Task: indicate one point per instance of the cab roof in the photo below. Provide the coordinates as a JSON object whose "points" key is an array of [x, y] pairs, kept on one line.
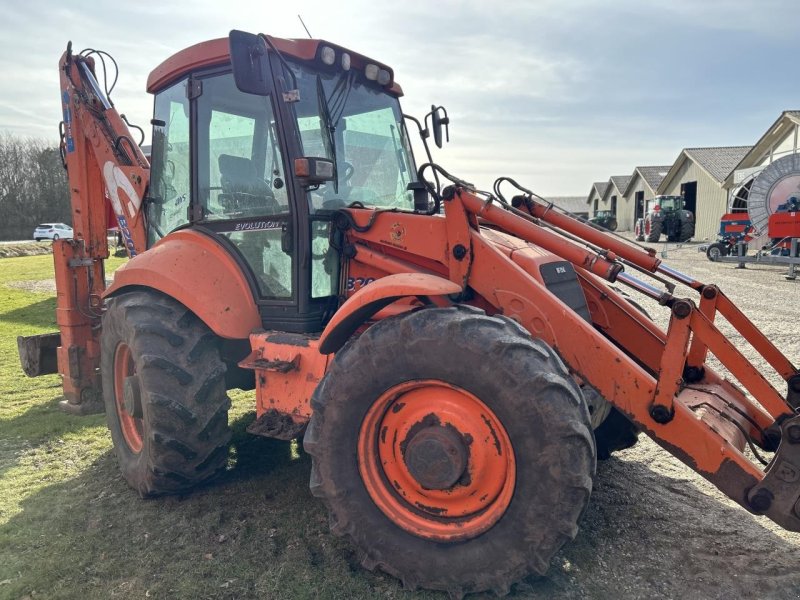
{"points": [[217, 52]]}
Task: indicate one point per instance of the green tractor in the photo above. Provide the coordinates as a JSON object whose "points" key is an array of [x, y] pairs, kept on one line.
{"points": [[665, 216], [606, 219]]}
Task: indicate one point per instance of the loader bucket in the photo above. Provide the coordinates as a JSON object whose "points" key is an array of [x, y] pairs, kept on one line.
{"points": [[37, 353]]}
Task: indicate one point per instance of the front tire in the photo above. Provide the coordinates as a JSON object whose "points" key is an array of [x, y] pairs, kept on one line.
{"points": [[716, 251], [164, 393], [497, 401]]}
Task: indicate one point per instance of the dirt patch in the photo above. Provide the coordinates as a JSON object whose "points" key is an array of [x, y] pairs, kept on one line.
{"points": [[37, 286], [25, 249]]}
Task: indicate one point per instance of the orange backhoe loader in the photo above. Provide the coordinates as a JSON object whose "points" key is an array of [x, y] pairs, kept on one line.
{"points": [[454, 360]]}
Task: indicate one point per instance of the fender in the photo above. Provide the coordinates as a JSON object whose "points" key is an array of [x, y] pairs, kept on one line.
{"points": [[377, 295], [200, 274]]}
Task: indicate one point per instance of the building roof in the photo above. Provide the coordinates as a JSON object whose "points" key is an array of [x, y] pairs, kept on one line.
{"points": [[718, 161], [776, 132], [653, 176], [573, 204], [599, 187], [621, 182]]}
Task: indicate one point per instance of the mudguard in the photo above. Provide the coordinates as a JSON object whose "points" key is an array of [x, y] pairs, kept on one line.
{"points": [[199, 273], [377, 295]]}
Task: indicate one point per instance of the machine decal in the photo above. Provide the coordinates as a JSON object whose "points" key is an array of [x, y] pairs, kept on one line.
{"points": [[70, 141], [115, 180], [398, 232], [356, 283], [258, 226]]}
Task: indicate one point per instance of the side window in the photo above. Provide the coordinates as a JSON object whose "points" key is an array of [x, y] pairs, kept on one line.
{"points": [[240, 166], [170, 164]]}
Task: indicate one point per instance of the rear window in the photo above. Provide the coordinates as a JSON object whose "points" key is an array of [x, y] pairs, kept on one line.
{"points": [[44, 226]]}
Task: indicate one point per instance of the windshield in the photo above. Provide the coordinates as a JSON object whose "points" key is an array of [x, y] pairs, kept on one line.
{"points": [[344, 117]]}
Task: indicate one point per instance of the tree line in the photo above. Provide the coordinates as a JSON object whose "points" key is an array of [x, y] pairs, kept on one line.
{"points": [[33, 186]]}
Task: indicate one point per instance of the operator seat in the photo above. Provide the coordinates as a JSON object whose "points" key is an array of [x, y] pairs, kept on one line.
{"points": [[243, 191]]}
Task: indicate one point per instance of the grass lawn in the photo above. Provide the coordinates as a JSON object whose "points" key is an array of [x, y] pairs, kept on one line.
{"points": [[71, 528]]}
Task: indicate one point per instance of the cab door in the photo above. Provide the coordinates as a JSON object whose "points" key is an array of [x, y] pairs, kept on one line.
{"points": [[241, 186]]}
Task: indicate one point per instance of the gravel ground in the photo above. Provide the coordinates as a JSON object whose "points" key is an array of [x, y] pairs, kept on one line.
{"points": [[656, 529]]}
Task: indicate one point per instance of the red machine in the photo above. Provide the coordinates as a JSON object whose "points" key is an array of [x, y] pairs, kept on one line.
{"points": [[455, 361]]}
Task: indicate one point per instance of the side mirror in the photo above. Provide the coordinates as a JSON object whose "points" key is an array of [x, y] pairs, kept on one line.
{"points": [[313, 171], [438, 119], [249, 61]]}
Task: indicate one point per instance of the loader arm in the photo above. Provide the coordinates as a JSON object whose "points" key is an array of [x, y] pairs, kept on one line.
{"points": [[108, 175], [659, 380]]}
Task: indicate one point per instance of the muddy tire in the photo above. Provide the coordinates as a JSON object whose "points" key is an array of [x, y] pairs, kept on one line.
{"points": [[164, 393], [538, 409], [652, 230]]}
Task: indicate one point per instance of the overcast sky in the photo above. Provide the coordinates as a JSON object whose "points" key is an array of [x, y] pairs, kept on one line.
{"points": [[555, 93]]}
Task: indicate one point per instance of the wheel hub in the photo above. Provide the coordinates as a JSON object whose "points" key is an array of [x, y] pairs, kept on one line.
{"points": [[436, 457], [131, 393], [436, 460]]}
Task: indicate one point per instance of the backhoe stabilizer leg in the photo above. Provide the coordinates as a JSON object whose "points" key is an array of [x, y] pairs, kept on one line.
{"points": [[777, 495]]}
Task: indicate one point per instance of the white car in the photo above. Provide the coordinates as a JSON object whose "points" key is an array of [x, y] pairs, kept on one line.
{"points": [[52, 231]]}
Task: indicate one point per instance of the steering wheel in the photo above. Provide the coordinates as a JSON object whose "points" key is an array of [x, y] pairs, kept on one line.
{"points": [[349, 170]]}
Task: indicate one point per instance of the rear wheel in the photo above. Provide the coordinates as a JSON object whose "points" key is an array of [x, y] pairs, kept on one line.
{"points": [[686, 232], [55, 237], [164, 393], [638, 230], [652, 230], [612, 225], [474, 451]]}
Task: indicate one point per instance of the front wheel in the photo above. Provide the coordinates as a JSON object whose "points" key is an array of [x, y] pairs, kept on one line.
{"points": [[164, 393], [55, 237], [474, 454], [716, 251]]}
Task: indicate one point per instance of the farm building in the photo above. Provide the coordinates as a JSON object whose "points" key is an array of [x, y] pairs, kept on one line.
{"points": [[595, 196], [781, 139], [613, 200], [642, 186], [573, 204], [698, 174]]}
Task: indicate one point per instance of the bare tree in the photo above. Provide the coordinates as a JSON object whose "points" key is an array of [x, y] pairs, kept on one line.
{"points": [[33, 186]]}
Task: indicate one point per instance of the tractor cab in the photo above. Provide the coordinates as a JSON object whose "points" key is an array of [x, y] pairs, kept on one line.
{"points": [[665, 203], [257, 142]]}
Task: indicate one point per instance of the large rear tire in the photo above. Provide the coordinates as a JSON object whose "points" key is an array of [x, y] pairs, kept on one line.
{"points": [[652, 230], [687, 231], [453, 384], [164, 393]]}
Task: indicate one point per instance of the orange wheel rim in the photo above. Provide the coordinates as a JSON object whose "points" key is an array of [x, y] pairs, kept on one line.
{"points": [[131, 426], [436, 460]]}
